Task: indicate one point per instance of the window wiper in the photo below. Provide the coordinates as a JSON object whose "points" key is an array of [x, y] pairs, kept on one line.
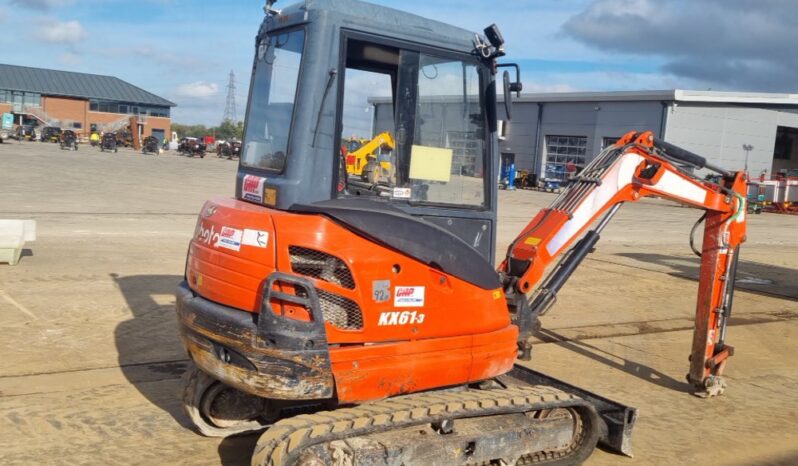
{"points": [[333, 72]]}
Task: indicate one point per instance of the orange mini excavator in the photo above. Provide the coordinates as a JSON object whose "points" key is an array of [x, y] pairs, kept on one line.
{"points": [[363, 323]]}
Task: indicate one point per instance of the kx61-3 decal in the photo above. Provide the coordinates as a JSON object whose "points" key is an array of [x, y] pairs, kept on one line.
{"points": [[401, 318]]}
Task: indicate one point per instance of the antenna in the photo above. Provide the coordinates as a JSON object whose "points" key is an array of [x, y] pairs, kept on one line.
{"points": [[230, 106]]}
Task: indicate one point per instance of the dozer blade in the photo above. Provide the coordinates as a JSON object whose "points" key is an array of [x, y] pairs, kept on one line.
{"points": [[514, 425], [617, 420]]}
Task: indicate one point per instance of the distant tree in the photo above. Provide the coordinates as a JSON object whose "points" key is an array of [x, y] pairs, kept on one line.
{"points": [[226, 130]]}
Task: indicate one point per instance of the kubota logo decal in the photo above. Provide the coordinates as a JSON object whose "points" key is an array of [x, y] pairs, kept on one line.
{"points": [[207, 236], [401, 318], [408, 296]]}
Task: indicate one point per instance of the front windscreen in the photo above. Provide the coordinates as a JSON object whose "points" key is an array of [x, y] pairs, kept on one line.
{"points": [[271, 101]]}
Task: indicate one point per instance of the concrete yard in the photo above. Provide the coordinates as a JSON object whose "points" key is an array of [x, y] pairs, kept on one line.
{"points": [[92, 365]]}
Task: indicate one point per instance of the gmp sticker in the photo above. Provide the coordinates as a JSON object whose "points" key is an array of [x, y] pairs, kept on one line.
{"points": [[408, 296], [230, 238]]}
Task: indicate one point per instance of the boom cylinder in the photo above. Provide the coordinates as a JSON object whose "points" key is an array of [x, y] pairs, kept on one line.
{"points": [[548, 293]]}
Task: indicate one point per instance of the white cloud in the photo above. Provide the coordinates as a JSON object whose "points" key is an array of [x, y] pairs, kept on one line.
{"points": [[43, 5], [70, 59], [57, 32], [197, 90]]}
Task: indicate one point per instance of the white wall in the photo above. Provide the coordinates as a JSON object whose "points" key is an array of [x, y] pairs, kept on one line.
{"points": [[718, 132]]}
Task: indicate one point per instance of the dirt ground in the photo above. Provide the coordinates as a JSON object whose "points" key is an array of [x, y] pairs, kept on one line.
{"points": [[92, 358]]}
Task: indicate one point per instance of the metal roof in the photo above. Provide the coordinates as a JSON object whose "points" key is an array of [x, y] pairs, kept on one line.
{"points": [[71, 84], [675, 95]]}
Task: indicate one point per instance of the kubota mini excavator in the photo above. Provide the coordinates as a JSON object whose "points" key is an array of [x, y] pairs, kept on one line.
{"points": [[369, 326]]}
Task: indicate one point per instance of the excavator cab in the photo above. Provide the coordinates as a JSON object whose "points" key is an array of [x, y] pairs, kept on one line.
{"points": [[325, 70]]}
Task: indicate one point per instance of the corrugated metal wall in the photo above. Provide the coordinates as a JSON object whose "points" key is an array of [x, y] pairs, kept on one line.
{"points": [[718, 132]]}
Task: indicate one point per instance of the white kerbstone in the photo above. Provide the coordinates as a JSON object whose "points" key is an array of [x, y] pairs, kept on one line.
{"points": [[13, 236]]}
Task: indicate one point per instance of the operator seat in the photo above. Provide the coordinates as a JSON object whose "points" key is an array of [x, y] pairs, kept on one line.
{"points": [[385, 224]]}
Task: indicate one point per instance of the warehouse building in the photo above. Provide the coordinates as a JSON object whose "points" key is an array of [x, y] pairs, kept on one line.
{"points": [[735, 130], [80, 101], [553, 133]]}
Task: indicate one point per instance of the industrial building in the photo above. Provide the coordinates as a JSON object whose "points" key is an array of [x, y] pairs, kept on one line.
{"points": [[80, 101], [735, 130]]}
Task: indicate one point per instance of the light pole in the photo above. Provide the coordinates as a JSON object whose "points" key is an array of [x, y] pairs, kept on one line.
{"points": [[747, 148]]}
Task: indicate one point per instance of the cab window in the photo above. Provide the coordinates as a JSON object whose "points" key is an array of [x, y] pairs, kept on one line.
{"points": [[412, 126]]}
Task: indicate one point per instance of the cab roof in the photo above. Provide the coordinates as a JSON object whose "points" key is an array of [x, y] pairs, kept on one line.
{"points": [[362, 16]]}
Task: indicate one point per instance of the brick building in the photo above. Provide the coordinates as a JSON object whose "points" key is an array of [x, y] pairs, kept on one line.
{"points": [[80, 101]]}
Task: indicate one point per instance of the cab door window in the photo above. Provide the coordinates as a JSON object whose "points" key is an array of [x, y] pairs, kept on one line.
{"points": [[447, 153], [367, 119], [412, 126]]}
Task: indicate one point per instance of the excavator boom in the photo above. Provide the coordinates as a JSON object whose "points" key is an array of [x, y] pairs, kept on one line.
{"points": [[637, 166]]}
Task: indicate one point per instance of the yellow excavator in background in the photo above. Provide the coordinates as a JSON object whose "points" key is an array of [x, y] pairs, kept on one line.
{"points": [[363, 160]]}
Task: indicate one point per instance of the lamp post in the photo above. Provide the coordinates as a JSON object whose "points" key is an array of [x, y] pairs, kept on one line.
{"points": [[747, 148]]}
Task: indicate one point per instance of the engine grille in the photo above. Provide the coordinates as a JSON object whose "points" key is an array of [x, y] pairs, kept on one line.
{"points": [[320, 265], [339, 311]]}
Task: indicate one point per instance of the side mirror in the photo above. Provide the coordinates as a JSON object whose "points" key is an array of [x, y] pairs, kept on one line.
{"points": [[508, 95], [511, 86]]}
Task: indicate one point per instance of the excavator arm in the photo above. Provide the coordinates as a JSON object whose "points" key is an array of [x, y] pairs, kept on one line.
{"points": [[637, 166]]}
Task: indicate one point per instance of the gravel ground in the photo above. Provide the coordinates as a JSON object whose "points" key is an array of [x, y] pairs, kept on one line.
{"points": [[92, 358]]}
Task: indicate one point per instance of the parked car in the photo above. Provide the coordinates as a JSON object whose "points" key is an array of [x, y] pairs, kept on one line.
{"points": [[109, 143], [51, 134], [150, 145], [26, 132], [190, 147], [230, 149], [69, 140]]}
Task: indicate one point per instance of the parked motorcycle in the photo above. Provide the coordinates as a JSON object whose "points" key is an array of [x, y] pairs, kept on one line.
{"points": [[230, 149], [109, 143], [150, 145], [68, 140], [190, 147]]}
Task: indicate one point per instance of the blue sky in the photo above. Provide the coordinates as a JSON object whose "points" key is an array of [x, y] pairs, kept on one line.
{"points": [[183, 50]]}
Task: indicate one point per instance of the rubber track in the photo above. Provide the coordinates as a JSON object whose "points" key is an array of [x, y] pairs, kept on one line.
{"points": [[284, 442]]}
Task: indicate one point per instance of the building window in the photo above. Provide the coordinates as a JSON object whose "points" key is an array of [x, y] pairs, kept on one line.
{"points": [[565, 156], [607, 142], [23, 99], [127, 108], [32, 99]]}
